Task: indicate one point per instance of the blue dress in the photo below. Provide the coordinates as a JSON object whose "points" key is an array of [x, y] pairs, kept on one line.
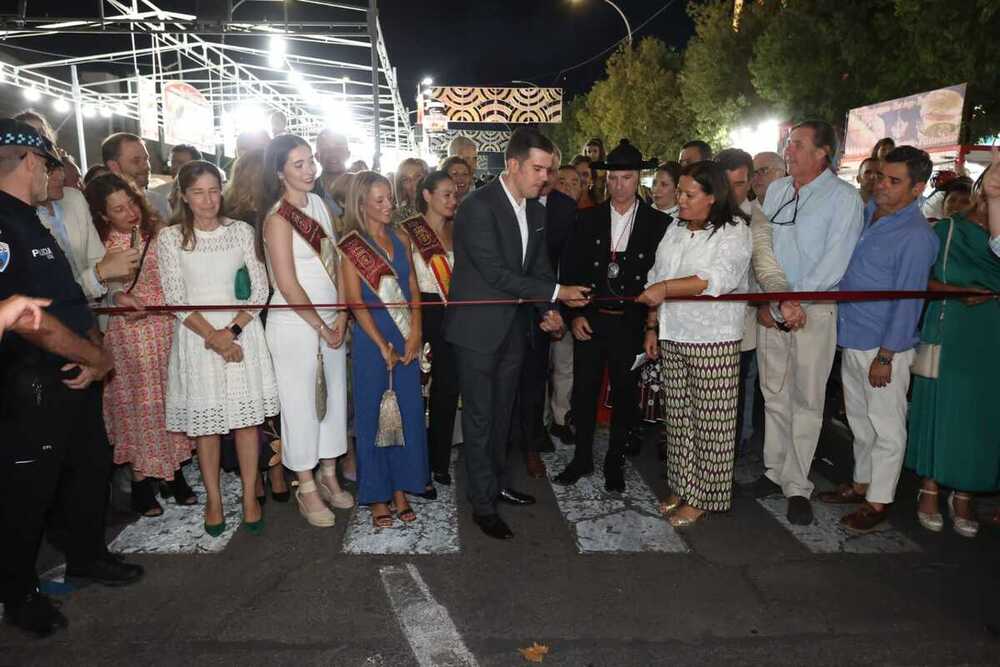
{"points": [[383, 470]]}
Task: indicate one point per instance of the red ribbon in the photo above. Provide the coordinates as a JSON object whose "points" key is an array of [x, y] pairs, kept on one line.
{"points": [[760, 297]]}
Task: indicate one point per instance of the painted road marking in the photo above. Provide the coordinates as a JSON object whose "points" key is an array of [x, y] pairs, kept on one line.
{"points": [[181, 529], [609, 522], [426, 624], [434, 532], [826, 536]]}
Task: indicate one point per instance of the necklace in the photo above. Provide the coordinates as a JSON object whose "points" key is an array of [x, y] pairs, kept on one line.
{"points": [[614, 270]]}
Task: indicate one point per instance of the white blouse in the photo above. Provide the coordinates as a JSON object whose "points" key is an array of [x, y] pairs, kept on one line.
{"points": [[722, 259], [426, 281]]}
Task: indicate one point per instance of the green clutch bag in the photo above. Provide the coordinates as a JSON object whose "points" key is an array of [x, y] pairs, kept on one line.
{"points": [[242, 285]]}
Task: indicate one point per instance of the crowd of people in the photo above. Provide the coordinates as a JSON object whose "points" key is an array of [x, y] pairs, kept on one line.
{"points": [[364, 309]]}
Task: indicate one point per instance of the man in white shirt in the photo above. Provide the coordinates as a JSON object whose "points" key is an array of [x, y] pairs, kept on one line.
{"points": [[816, 219], [125, 154], [67, 216]]}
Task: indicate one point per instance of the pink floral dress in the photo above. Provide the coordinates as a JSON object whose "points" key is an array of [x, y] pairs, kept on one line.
{"points": [[134, 394]]}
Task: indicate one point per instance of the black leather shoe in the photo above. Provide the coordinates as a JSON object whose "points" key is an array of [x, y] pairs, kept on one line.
{"points": [[614, 475], [512, 497], [563, 432], [493, 525], [761, 488], [800, 511], [442, 478], [633, 443], [107, 571], [430, 493], [544, 443], [36, 614], [572, 474]]}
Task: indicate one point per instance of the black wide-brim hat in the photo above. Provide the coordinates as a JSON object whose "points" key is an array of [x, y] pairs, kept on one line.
{"points": [[625, 157]]}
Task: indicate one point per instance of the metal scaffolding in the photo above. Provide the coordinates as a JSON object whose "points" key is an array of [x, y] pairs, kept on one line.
{"points": [[235, 62]]}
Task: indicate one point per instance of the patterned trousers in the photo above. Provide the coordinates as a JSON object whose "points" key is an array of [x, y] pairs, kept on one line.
{"points": [[701, 383]]}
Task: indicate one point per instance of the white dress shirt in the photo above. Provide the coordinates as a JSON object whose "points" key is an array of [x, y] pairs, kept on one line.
{"points": [[71, 224], [521, 213], [621, 226], [722, 259]]}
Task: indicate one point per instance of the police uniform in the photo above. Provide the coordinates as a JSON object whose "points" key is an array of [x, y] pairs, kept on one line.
{"points": [[618, 323], [54, 446]]}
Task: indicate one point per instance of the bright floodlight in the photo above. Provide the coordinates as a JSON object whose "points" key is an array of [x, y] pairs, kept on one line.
{"points": [[337, 115], [60, 105], [88, 111], [248, 117], [756, 139], [105, 112], [32, 94], [277, 51], [427, 81]]}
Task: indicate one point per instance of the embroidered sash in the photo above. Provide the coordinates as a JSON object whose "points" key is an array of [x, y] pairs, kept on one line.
{"points": [[432, 251], [312, 233], [379, 275]]}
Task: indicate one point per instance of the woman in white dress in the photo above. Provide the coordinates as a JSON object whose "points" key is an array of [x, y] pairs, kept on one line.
{"points": [[707, 251], [299, 338], [220, 377]]}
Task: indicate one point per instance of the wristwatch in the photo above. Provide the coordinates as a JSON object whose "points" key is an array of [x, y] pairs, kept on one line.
{"points": [[235, 329], [883, 360]]}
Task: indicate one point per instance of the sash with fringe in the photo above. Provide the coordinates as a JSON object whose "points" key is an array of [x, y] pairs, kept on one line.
{"points": [[379, 275], [312, 233], [432, 251]]}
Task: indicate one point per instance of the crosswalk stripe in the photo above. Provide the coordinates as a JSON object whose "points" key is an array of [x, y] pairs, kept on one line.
{"points": [[180, 529], [826, 536], [426, 624], [434, 532], [611, 523]]}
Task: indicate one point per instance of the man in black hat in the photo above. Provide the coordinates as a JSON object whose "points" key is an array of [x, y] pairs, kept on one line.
{"points": [[50, 400], [612, 249]]}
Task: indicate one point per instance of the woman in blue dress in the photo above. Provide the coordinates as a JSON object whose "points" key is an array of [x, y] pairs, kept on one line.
{"points": [[378, 269]]}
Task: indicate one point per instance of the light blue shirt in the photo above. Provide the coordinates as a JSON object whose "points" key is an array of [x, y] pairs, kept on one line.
{"points": [[814, 251], [895, 252], [56, 225], [995, 245]]}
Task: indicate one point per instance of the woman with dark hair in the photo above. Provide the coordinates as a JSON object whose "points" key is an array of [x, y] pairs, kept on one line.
{"points": [[707, 251], [411, 171], [220, 377], [460, 174], [386, 342], [307, 344], [433, 258], [594, 149], [581, 163], [951, 441], [665, 188], [93, 172], [134, 395]]}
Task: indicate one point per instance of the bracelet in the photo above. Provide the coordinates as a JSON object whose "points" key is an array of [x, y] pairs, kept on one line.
{"points": [[652, 327]]}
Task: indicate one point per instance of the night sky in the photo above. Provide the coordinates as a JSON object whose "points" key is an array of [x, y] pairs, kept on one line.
{"points": [[470, 42]]}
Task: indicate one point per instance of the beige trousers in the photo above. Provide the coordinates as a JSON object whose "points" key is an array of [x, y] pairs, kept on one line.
{"points": [[794, 369], [561, 385], [877, 417]]}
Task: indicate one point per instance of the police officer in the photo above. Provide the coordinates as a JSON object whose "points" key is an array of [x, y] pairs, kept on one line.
{"points": [[50, 400], [612, 249]]}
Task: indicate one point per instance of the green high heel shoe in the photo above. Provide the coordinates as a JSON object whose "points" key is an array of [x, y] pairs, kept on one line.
{"points": [[215, 529], [254, 527]]}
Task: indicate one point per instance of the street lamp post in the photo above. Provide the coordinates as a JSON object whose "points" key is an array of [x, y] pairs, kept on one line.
{"points": [[628, 26]]}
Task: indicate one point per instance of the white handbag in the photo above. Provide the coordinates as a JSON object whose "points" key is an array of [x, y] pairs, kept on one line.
{"points": [[926, 362]]}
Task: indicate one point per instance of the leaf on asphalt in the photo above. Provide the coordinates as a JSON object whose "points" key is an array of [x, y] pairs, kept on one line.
{"points": [[534, 653]]}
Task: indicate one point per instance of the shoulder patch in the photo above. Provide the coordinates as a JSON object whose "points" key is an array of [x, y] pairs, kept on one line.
{"points": [[4, 256]]}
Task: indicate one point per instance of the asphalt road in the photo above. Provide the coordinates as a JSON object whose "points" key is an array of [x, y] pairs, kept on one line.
{"points": [[747, 591]]}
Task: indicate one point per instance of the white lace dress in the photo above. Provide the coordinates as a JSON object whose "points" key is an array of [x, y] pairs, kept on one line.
{"points": [[206, 395]]}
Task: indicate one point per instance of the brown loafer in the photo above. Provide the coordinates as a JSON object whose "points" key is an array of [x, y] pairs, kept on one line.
{"points": [[864, 519], [844, 495], [534, 464]]}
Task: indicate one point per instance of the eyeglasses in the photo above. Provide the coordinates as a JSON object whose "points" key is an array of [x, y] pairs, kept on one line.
{"points": [[794, 201], [761, 171]]}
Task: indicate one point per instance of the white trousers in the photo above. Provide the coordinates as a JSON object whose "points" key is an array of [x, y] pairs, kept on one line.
{"points": [[304, 439], [877, 417], [794, 368], [561, 385]]}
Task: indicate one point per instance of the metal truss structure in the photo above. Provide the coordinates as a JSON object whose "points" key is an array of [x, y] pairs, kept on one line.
{"points": [[334, 73]]}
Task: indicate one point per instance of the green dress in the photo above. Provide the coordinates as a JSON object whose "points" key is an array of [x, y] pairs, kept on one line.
{"points": [[954, 437]]}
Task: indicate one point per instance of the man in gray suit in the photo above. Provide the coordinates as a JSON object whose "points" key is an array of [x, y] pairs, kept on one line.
{"points": [[501, 255]]}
